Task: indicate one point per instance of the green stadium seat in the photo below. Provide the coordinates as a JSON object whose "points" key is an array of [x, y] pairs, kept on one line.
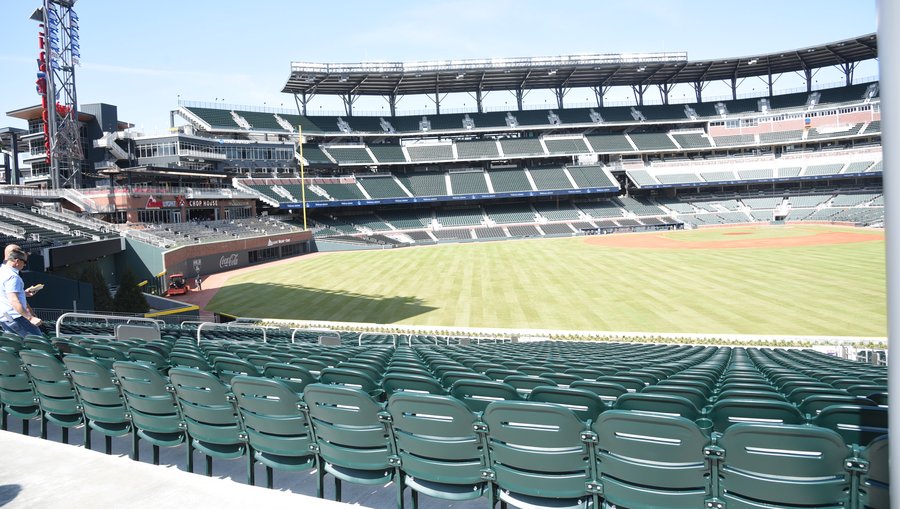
{"points": [[875, 484], [783, 465], [190, 360], [354, 378], [582, 402], [858, 425], [55, 393], [155, 416], [149, 356], [812, 405], [608, 391], [450, 377], [101, 399], [212, 420], [17, 397], [661, 403], [108, 354], [633, 384], [728, 412], [295, 377], [439, 451], [651, 460], [527, 383], [521, 431], [352, 441], [227, 368], [278, 433], [692, 394], [478, 394], [394, 382]]}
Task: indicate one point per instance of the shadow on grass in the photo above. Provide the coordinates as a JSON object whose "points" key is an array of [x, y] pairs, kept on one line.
{"points": [[9, 492], [268, 300]]}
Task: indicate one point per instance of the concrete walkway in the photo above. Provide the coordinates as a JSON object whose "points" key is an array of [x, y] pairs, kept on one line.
{"points": [[44, 473]]}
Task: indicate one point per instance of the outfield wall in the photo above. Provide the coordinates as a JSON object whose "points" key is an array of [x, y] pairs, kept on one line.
{"points": [[214, 257]]}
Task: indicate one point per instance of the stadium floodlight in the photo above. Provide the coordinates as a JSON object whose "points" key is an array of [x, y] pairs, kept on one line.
{"points": [[551, 72], [642, 68], [752, 62]]}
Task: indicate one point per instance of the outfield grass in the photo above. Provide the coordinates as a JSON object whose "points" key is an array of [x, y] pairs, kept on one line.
{"points": [[569, 284]]}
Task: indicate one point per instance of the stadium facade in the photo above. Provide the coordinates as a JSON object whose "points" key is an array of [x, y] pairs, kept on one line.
{"points": [[392, 181]]}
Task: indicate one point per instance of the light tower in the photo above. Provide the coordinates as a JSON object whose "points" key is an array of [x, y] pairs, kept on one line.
{"points": [[59, 54]]}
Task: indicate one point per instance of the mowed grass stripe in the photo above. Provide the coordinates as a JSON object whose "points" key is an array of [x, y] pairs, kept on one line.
{"points": [[569, 284]]}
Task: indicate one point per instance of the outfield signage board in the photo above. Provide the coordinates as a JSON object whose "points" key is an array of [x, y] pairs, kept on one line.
{"points": [[453, 198]]}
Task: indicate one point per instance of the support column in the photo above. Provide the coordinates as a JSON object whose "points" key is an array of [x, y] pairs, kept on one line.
{"points": [[392, 103], [15, 177], [478, 101], [520, 98], [639, 93], [698, 91], [599, 92], [560, 94], [889, 72], [302, 100], [348, 104], [847, 68], [664, 89]]}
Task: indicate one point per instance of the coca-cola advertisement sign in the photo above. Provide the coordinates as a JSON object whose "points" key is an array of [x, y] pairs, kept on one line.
{"points": [[209, 264], [228, 261]]}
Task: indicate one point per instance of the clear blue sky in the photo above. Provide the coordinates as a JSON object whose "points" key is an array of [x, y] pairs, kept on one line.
{"points": [[143, 57]]}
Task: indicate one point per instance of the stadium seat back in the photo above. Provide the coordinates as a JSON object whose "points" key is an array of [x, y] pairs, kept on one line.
{"points": [[783, 465], [440, 453], [212, 420], [352, 440], [278, 434], [651, 460], [521, 431], [151, 404]]}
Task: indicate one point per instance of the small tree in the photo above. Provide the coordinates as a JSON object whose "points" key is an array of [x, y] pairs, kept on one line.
{"points": [[129, 297], [103, 300]]}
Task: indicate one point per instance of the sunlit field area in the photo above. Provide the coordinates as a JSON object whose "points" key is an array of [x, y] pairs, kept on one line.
{"points": [[792, 280]]}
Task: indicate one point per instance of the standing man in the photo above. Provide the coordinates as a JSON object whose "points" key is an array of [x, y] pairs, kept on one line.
{"points": [[198, 281], [15, 315]]}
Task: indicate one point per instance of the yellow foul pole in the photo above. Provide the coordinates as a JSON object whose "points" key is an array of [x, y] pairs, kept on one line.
{"points": [[302, 174]]}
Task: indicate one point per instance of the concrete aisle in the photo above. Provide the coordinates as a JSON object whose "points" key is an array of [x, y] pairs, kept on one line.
{"points": [[44, 473]]}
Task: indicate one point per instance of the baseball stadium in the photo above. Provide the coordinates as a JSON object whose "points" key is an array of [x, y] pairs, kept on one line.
{"points": [[671, 303]]}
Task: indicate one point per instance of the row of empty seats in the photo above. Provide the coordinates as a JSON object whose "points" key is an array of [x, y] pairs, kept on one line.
{"points": [[540, 424], [540, 213], [430, 184], [222, 119], [699, 176], [595, 143]]}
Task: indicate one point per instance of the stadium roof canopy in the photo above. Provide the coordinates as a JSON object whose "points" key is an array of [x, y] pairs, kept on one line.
{"points": [[564, 72]]}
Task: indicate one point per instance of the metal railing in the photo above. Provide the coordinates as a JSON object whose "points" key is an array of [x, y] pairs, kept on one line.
{"points": [[106, 319]]}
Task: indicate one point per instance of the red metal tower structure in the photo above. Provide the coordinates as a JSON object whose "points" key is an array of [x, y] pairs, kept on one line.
{"points": [[60, 52]]}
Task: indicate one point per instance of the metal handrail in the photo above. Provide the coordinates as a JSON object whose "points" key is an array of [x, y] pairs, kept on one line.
{"points": [[106, 318], [228, 327]]}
